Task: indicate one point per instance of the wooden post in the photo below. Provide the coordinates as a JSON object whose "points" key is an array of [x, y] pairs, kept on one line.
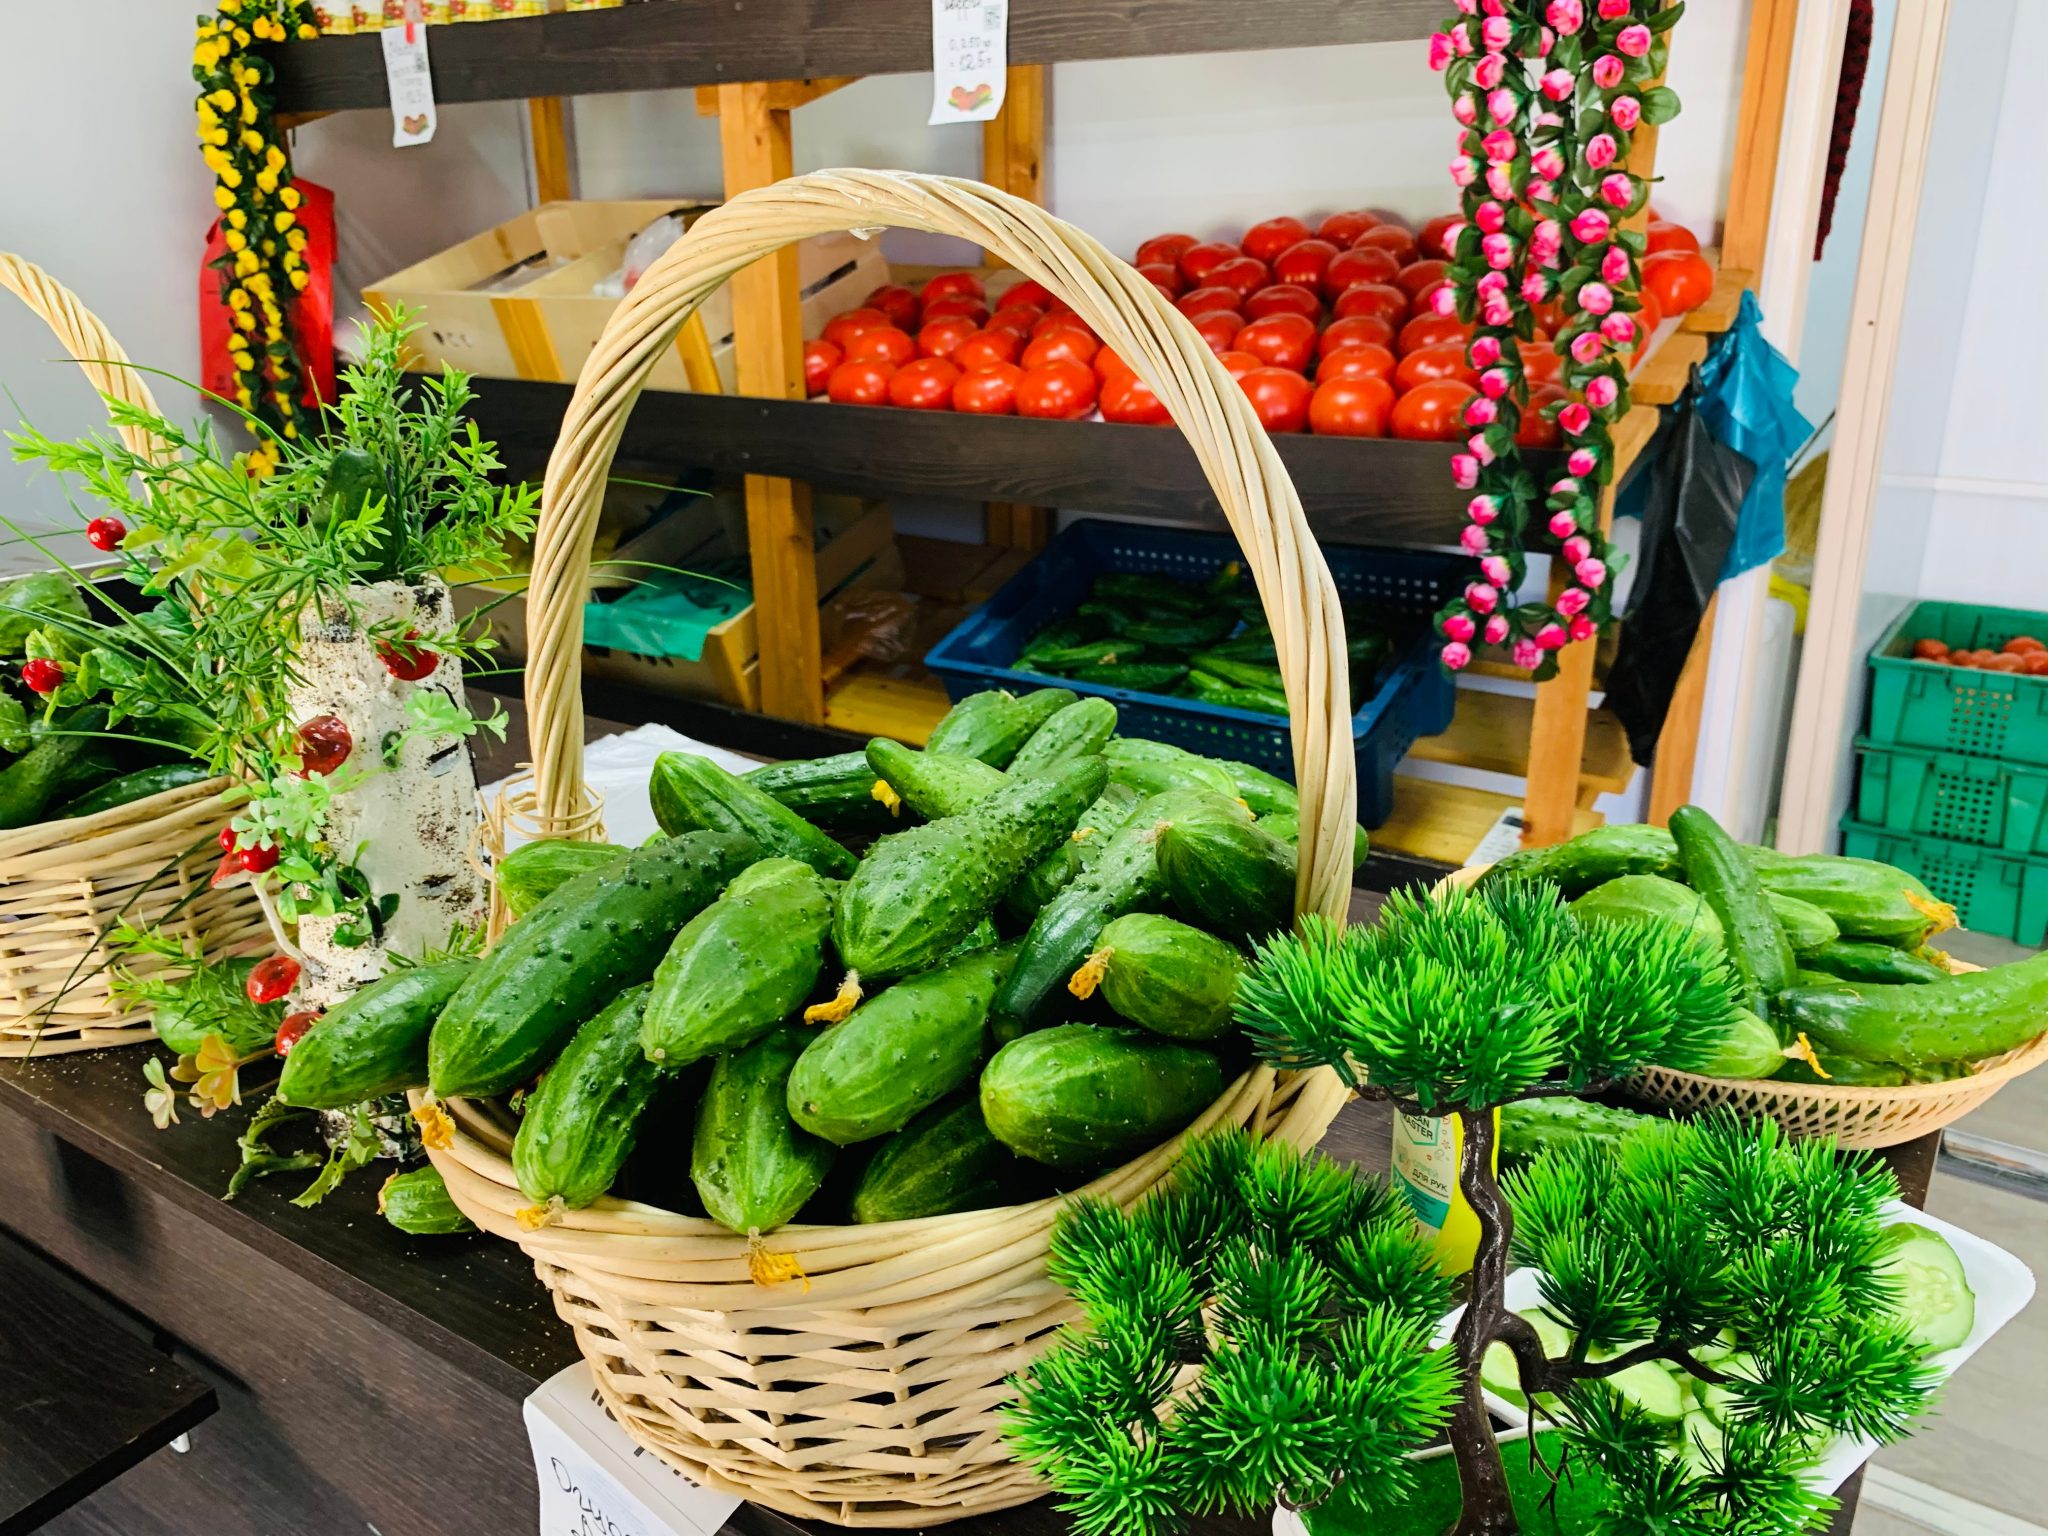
{"points": [[554, 178], [768, 354], [1013, 160], [1678, 743]]}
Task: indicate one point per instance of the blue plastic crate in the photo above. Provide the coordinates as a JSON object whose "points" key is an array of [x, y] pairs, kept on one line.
{"points": [[1414, 698]]}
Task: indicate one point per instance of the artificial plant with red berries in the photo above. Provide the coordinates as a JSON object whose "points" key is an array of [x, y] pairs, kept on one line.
{"points": [[1548, 95]]}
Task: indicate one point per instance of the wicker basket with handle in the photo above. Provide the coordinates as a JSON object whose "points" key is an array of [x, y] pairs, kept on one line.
{"points": [[64, 885], [866, 1393]]}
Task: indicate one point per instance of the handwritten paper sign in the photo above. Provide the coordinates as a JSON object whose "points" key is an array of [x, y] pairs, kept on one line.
{"points": [[970, 59], [594, 1481], [413, 118]]}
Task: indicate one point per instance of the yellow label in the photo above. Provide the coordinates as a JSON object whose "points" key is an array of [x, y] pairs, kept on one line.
{"points": [[1426, 1154]]}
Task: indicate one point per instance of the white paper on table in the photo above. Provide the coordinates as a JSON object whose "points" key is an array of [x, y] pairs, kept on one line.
{"points": [[618, 767], [593, 1478]]}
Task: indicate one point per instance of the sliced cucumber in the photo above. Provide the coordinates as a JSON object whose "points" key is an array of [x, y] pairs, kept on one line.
{"points": [[1497, 1370], [1653, 1388], [1700, 1441], [1717, 1402], [1933, 1296]]}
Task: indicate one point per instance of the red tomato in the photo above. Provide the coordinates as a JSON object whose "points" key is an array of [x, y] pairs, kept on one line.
{"points": [[1356, 360], [1239, 363], [1429, 330], [1027, 293], [1678, 280], [1243, 273], [1367, 264], [1393, 239], [1219, 328], [1351, 407], [1538, 430], [1540, 361], [1444, 361], [820, 358], [1282, 299], [1550, 316], [988, 391], [1341, 229], [1432, 412], [2020, 645], [1267, 239], [1199, 301], [1167, 248], [1929, 649], [985, 349], [1198, 261], [1390, 304], [1304, 262], [961, 307], [1280, 396], [2034, 664], [1061, 391], [897, 302], [1166, 275], [940, 337], [1425, 301], [1352, 330], [1417, 276], [1374, 328], [925, 385], [1109, 366], [1431, 240], [1060, 346], [1670, 237], [952, 285], [884, 342], [1065, 321], [1017, 320], [1283, 341], [1130, 399], [849, 323], [860, 383]]}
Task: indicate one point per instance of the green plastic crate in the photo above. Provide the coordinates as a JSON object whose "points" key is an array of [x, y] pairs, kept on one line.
{"points": [[1959, 709], [1945, 794], [1992, 892]]}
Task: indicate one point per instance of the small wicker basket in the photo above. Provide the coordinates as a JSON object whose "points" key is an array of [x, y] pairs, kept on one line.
{"points": [[64, 885], [867, 1393]]}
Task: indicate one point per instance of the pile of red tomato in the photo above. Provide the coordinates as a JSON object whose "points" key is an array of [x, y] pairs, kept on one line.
{"points": [[2022, 654], [1326, 329]]}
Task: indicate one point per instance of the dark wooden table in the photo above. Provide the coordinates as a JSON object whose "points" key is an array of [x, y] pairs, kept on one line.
{"points": [[365, 1378]]}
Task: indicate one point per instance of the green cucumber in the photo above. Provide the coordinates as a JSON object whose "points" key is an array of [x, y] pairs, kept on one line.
{"points": [[1213, 690], [1931, 1292], [1238, 672], [1146, 587], [739, 967], [1132, 676], [419, 1203], [1848, 1072], [1593, 858], [1154, 767], [919, 893], [1188, 632], [1286, 826], [37, 600], [1082, 729], [906, 1048], [943, 1161], [1807, 928], [131, 787], [1530, 1126], [600, 933], [1965, 1018], [1075, 1096], [1084, 845], [837, 791], [215, 1002], [530, 872], [1716, 868], [1060, 660], [1748, 1049], [374, 1041], [1866, 900], [752, 1166], [1124, 878], [933, 784], [983, 936], [1231, 877], [1169, 978], [579, 1125], [994, 725], [692, 793], [1867, 960], [1266, 794], [1629, 898], [60, 754]]}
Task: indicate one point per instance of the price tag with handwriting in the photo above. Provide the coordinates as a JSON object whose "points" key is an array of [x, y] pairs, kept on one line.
{"points": [[970, 58], [594, 1481], [411, 81]]}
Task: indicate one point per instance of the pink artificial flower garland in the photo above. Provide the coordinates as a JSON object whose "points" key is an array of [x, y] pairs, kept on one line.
{"points": [[1563, 85]]}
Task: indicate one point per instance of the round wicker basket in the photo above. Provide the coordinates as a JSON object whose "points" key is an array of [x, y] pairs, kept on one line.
{"points": [[65, 884], [867, 1392]]}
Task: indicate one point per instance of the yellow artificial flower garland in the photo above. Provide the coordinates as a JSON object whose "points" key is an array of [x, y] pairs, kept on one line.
{"points": [[264, 266]]}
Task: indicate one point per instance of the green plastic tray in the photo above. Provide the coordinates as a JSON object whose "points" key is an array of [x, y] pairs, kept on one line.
{"points": [[1992, 892], [1945, 794], [1959, 709]]}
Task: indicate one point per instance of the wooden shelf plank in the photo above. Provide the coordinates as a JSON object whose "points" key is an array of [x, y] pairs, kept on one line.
{"points": [[1356, 491], [1662, 378], [1723, 305], [1491, 732], [1444, 822], [872, 703], [666, 44]]}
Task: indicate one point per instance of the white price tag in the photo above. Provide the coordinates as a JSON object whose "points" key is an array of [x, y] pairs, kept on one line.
{"points": [[970, 59], [1501, 839], [410, 79], [594, 1481]]}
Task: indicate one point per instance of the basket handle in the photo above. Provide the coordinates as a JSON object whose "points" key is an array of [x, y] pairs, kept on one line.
{"points": [[1130, 315], [89, 344]]}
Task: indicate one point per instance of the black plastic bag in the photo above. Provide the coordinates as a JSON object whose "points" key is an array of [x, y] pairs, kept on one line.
{"points": [[1692, 500]]}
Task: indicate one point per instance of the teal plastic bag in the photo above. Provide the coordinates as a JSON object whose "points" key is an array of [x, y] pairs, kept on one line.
{"points": [[668, 616], [1746, 402]]}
